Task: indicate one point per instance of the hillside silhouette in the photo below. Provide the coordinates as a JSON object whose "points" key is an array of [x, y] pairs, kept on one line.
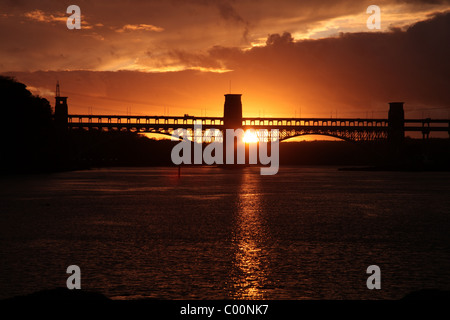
{"points": [[27, 129]]}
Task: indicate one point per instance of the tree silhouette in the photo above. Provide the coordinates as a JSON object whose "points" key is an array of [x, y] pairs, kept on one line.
{"points": [[26, 131]]}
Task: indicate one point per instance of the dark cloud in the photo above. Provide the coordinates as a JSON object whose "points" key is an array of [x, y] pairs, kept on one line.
{"points": [[354, 69], [193, 26], [424, 1], [227, 12], [276, 39], [352, 72]]}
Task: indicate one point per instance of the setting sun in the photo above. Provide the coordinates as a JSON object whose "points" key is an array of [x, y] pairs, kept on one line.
{"points": [[250, 136]]}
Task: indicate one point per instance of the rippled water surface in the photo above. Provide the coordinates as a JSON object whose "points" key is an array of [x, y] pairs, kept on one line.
{"points": [[305, 233]]}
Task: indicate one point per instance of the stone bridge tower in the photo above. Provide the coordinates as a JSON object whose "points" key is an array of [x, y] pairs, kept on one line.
{"points": [[396, 123], [232, 111], [61, 112]]}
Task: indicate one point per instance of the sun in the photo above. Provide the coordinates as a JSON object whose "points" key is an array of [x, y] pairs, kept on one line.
{"points": [[250, 136]]}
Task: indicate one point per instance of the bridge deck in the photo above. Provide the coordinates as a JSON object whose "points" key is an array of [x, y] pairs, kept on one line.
{"points": [[351, 129], [168, 122]]}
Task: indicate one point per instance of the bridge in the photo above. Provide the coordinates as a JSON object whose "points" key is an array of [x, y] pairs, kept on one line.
{"points": [[392, 128]]}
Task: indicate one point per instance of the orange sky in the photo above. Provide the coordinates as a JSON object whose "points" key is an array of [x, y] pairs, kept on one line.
{"points": [[287, 58]]}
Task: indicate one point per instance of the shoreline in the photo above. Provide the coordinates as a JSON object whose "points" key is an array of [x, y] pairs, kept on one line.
{"points": [[64, 294]]}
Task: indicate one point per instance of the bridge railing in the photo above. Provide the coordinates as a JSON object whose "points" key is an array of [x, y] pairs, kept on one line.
{"points": [[327, 122], [190, 120], [148, 123], [150, 120]]}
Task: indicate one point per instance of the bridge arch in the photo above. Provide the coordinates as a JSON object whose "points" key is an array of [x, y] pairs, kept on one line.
{"points": [[343, 138], [318, 134]]}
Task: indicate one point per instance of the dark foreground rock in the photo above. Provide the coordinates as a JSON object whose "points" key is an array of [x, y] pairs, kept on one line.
{"points": [[60, 294], [429, 294]]}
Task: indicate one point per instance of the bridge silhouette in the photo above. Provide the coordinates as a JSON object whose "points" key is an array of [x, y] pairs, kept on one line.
{"points": [[392, 128]]}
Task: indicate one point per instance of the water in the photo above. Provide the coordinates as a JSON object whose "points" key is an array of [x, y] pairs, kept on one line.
{"points": [[305, 233]]}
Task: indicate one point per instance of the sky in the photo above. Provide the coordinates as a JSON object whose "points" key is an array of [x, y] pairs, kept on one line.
{"points": [[287, 58]]}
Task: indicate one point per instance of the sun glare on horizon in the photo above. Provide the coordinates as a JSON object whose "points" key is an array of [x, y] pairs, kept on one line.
{"points": [[250, 136]]}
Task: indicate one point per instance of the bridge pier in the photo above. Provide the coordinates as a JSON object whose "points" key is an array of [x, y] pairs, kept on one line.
{"points": [[61, 119], [232, 119], [61, 115], [396, 123], [426, 129]]}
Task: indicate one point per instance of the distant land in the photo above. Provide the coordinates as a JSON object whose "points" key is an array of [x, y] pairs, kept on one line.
{"points": [[108, 149]]}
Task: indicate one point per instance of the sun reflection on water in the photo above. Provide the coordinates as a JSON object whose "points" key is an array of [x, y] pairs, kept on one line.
{"points": [[249, 275]]}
